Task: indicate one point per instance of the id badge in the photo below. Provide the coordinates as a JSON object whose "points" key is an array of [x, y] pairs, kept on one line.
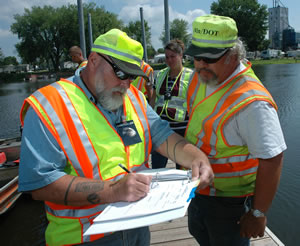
{"points": [[128, 133]]}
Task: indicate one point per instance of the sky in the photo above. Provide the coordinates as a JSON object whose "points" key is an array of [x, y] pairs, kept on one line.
{"points": [[128, 10]]}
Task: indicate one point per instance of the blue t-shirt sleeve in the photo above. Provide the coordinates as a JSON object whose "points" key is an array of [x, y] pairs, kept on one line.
{"points": [[41, 159], [160, 129]]}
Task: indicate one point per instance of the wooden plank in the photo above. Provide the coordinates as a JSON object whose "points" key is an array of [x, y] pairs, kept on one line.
{"points": [[274, 237], [181, 222], [263, 242], [185, 242], [173, 234]]}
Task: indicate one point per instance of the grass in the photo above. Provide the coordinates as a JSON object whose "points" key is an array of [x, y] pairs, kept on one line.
{"points": [[276, 61]]}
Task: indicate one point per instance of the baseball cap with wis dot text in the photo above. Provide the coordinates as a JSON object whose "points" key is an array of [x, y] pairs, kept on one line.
{"points": [[212, 36], [126, 53]]}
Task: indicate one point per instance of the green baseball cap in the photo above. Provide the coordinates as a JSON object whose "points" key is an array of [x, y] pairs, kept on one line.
{"points": [[212, 36], [125, 52]]}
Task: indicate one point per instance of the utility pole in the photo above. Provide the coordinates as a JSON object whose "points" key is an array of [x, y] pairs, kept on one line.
{"points": [[167, 28], [81, 28], [90, 30], [143, 35]]}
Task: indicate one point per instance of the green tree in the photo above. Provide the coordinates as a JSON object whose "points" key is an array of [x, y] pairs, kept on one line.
{"points": [[47, 33], [10, 60], [251, 19], [134, 30], [1, 57], [178, 29]]}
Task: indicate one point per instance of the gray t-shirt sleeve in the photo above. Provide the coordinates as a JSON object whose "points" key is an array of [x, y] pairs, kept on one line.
{"points": [[41, 159], [258, 127], [160, 129]]}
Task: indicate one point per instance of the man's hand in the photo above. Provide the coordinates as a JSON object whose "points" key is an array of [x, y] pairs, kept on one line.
{"points": [[202, 170], [131, 187], [252, 226]]}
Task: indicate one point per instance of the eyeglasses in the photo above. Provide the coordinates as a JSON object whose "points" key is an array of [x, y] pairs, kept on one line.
{"points": [[118, 72], [208, 60]]}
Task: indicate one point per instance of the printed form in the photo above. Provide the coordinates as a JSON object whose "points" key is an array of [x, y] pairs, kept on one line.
{"points": [[165, 201]]}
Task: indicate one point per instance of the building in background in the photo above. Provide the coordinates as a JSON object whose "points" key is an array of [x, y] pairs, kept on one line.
{"points": [[289, 41], [278, 21], [281, 35]]}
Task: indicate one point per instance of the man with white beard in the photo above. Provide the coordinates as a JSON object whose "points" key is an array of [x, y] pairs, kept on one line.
{"points": [[78, 130]]}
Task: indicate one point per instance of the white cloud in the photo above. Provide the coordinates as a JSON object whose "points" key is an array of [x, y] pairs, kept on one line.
{"points": [[154, 15], [4, 33], [12, 7], [153, 11]]}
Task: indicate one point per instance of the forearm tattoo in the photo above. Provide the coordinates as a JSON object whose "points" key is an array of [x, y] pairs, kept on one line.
{"points": [[182, 140], [87, 187], [91, 188], [67, 191]]}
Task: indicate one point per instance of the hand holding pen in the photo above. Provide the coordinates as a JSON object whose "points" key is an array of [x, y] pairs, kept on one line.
{"points": [[134, 186], [124, 168]]}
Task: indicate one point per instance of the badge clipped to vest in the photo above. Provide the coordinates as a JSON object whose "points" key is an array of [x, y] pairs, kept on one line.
{"points": [[168, 95], [128, 133]]}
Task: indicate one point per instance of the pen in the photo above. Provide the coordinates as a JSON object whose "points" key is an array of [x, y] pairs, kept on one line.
{"points": [[124, 168]]}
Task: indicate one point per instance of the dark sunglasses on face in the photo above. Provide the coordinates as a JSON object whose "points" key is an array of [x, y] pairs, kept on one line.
{"points": [[208, 60], [118, 72]]}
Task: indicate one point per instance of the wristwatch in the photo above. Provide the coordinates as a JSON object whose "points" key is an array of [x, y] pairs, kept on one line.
{"points": [[256, 213]]}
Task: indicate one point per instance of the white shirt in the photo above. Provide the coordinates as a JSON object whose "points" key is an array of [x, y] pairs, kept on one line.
{"points": [[257, 126]]}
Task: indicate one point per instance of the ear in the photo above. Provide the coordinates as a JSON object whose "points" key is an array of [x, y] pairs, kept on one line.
{"points": [[94, 59]]}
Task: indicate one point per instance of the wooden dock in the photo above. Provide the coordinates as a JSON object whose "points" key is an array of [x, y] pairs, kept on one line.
{"points": [[175, 233]]}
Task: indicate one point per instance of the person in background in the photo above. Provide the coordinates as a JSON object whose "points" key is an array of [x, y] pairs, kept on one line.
{"points": [[76, 132], [77, 57], [233, 119], [169, 97], [145, 86]]}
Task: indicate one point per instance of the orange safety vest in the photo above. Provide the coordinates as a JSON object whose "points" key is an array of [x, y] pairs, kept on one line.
{"points": [[83, 64], [234, 169], [92, 146], [140, 82]]}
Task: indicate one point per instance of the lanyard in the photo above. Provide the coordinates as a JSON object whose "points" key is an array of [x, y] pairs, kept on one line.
{"points": [[174, 81]]}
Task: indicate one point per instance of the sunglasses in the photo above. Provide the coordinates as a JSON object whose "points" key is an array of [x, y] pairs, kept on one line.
{"points": [[208, 60], [118, 72]]}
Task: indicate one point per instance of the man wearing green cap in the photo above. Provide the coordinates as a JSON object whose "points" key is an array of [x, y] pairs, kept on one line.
{"points": [[78, 131], [233, 120]]}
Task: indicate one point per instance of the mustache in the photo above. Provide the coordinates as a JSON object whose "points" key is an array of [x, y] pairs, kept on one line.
{"points": [[204, 69], [119, 89]]}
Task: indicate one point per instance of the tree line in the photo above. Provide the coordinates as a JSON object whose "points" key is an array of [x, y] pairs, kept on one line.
{"points": [[46, 33]]}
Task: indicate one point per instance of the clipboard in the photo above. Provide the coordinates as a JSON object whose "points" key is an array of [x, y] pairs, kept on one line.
{"points": [[170, 194]]}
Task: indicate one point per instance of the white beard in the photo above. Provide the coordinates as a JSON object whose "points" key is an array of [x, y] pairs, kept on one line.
{"points": [[107, 99], [212, 81]]}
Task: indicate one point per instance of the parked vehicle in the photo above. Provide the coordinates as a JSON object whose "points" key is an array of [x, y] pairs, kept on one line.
{"points": [[293, 53], [160, 58], [270, 53], [9, 169]]}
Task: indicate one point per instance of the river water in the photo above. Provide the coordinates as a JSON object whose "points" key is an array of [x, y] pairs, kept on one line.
{"points": [[25, 223]]}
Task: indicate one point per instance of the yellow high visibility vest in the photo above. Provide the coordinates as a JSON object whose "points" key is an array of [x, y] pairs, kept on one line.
{"points": [[177, 103], [92, 146], [234, 168]]}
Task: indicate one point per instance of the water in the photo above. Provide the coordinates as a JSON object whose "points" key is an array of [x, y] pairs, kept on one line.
{"points": [[283, 81], [12, 96], [24, 225]]}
